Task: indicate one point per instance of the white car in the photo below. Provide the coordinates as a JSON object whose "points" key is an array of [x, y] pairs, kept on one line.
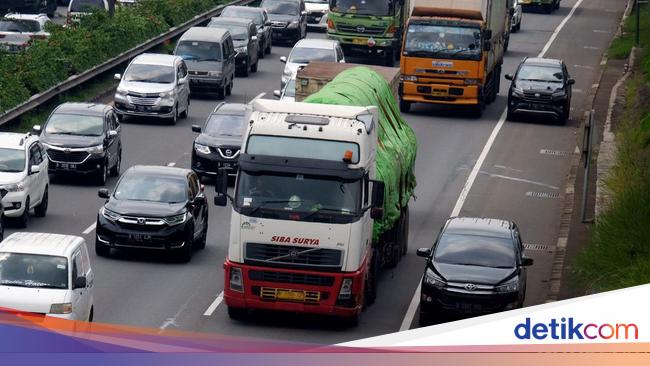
{"points": [[288, 94], [80, 8], [517, 17], [317, 11], [308, 50], [47, 274], [16, 30], [23, 175]]}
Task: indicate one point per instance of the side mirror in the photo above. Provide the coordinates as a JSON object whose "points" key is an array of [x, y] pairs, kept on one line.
{"points": [[487, 34], [220, 201], [512, 11], [112, 133], [283, 59], [377, 194], [254, 38], [37, 129], [196, 128], [303, 13], [277, 93], [117, 76], [34, 169], [526, 262], [79, 282], [221, 185], [103, 193], [509, 77], [571, 81], [199, 200], [376, 213], [424, 252]]}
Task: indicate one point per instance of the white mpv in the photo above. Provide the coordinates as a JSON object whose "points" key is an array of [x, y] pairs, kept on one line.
{"points": [[47, 274]]}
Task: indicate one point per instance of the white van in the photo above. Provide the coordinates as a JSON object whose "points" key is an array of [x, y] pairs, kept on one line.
{"points": [[48, 274]]}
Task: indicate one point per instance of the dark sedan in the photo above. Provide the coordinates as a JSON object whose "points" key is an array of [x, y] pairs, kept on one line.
{"points": [[220, 139], [288, 18], [154, 207], [476, 266], [244, 37], [540, 87], [260, 17], [83, 138]]}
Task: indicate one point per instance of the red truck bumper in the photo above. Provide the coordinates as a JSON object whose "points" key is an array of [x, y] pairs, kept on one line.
{"points": [[293, 290]]}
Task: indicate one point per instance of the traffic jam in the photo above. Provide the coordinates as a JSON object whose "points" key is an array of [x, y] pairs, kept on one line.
{"points": [[318, 180]]}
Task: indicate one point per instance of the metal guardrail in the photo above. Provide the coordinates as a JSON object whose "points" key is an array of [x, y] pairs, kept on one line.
{"points": [[76, 80]]}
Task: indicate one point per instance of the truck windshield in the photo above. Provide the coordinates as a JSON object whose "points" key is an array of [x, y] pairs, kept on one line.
{"points": [[295, 147], [452, 42], [32, 270], [298, 197], [362, 7]]}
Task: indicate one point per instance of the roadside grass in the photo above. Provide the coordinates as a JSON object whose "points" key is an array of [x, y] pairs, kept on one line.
{"points": [[618, 254], [621, 47]]}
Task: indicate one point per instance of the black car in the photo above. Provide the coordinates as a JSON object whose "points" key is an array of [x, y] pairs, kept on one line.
{"points": [[260, 17], [220, 139], [154, 207], [288, 19], [244, 38], [83, 138], [3, 193], [476, 266], [540, 87]]}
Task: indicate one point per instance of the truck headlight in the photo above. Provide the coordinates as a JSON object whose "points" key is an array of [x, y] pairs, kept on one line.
{"points": [[176, 219], [409, 78], [236, 280], [109, 215], [432, 279], [346, 289], [18, 187], [510, 286], [471, 81], [98, 149], [63, 308], [201, 148]]}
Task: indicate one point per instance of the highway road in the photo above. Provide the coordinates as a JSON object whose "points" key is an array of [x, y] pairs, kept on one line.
{"points": [[520, 175]]}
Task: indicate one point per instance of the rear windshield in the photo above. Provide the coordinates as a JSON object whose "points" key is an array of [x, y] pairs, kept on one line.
{"points": [[31, 270], [238, 32], [199, 51], [82, 6], [254, 15], [24, 26], [475, 250]]}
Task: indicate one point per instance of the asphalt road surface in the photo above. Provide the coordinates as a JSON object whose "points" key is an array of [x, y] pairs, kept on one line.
{"points": [[516, 179]]}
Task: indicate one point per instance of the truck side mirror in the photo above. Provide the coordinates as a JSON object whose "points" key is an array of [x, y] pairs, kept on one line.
{"points": [[424, 252], [36, 130], [509, 77], [103, 193], [377, 194]]}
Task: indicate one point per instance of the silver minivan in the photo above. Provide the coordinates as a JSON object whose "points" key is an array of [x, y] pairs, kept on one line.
{"points": [[210, 58], [154, 85]]}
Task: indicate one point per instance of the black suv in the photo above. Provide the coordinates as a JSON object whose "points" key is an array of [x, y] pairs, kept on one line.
{"points": [[288, 18], [220, 139], [261, 20], [540, 87], [244, 37], [476, 266], [83, 138], [154, 207]]}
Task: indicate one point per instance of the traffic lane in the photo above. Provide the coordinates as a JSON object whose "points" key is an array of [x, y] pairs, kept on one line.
{"points": [[60, 15]]}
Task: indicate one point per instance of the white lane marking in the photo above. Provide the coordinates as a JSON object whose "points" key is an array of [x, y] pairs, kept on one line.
{"points": [[601, 31], [171, 164], [213, 306], [257, 97], [172, 321], [595, 86], [592, 48], [507, 168], [521, 180], [410, 312], [583, 67], [90, 228], [557, 30]]}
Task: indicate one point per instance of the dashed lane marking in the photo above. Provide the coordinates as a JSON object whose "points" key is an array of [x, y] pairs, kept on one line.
{"points": [[90, 228], [210, 310]]}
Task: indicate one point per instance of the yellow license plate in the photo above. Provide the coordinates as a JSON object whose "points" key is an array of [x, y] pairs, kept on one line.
{"points": [[291, 295], [360, 41], [439, 94]]}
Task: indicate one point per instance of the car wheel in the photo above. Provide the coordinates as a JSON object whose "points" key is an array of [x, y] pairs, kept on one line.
{"points": [[426, 319], [91, 316], [557, 5], [2, 228], [254, 67], [237, 313], [229, 88], [200, 244], [186, 112], [404, 106], [41, 209], [268, 47], [102, 174], [246, 69], [509, 115], [115, 170], [260, 53], [24, 218], [221, 93], [102, 250], [174, 118]]}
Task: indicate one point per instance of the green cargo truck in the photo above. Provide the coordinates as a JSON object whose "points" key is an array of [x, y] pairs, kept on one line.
{"points": [[369, 27]]}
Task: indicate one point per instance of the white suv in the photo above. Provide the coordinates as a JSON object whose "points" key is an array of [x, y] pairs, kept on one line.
{"points": [[23, 175]]}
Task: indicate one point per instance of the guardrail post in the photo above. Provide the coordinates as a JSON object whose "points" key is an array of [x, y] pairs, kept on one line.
{"points": [[587, 141]]}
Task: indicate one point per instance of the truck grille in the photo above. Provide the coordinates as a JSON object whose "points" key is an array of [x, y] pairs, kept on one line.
{"points": [[67, 157], [293, 278], [227, 152], [292, 256], [371, 31]]}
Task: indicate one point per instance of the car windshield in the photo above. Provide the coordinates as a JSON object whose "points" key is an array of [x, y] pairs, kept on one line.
{"points": [[253, 14], [475, 250], [82, 6], [199, 51], [150, 74], [540, 73], [74, 124], [238, 32], [24, 26], [12, 160], [151, 188], [31, 270], [225, 125], [361, 7], [298, 193], [304, 55], [281, 7], [443, 42], [290, 89]]}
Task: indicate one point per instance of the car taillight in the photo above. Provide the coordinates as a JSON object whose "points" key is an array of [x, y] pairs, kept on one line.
{"points": [[330, 24]]}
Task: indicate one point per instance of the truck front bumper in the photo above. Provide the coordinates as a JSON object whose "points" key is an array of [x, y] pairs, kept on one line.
{"points": [[360, 44], [415, 92], [267, 288]]}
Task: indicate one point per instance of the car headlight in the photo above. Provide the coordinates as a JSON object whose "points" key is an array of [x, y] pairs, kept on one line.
{"points": [[559, 95], [18, 187], [64, 308], [518, 92], [121, 91], [99, 149], [294, 24], [409, 78], [201, 148], [110, 215], [241, 49], [214, 74], [431, 278], [176, 219], [167, 94], [510, 286]]}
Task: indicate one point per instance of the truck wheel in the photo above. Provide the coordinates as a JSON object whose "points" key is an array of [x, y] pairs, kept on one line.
{"points": [[237, 313], [557, 5], [548, 9], [221, 92], [370, 290], [404, 106]]}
